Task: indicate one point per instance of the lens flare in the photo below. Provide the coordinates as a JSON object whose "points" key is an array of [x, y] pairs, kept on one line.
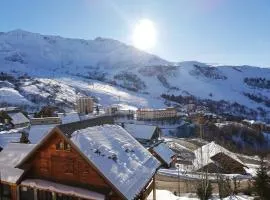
{"points": [[144, 35]]}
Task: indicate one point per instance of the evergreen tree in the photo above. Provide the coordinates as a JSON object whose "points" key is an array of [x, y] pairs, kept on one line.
{"points": [[262, 182]]}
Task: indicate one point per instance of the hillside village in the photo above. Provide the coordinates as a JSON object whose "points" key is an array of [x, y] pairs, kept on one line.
{"points": [[96, 152], [134, 100]]}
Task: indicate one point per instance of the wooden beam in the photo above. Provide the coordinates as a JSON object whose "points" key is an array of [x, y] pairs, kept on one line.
{"points": [[154, 188], [148, 189]]}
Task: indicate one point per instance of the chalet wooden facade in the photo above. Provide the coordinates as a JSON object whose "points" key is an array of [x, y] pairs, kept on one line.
{"points": [[214, 158], [58, 168]]}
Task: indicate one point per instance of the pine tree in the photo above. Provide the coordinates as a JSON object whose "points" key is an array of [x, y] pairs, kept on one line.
{"points": [[262, 182]]}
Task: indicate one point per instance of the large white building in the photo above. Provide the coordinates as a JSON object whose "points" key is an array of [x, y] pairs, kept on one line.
{"points": [[84, 105], [151, 114]]}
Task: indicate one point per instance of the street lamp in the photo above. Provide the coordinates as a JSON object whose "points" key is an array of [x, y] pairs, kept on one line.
{"points": [[177, 165]]}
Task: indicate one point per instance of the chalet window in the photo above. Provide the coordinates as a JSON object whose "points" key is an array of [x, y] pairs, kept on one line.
{"points": [[67, 147], [61, 145]]}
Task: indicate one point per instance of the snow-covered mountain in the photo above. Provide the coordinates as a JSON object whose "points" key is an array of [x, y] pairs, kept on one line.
{"points": [[114, 72]]}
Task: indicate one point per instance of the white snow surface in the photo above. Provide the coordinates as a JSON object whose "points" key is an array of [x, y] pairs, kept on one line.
{"points": [[63, 189], [167, 195], [69, 117], [164, 152], [13, 153], [6, 138], [203, 154], [133, 165], [10, 157], [12, 96], [18, 118], [10, 174], [38, 132], [140, 131]]}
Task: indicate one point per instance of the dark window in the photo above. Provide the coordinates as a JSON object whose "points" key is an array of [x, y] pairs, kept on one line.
{"points": [[64, 197], [26, 193], [44, 195], [5, 192]]}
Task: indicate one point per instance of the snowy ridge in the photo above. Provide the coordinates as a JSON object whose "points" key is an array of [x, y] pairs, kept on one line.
{"points": [[12, 96], [121, 159], [105, 67]]}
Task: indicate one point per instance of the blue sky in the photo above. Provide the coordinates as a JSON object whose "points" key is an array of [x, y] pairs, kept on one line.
{"points": [[213, 31]]}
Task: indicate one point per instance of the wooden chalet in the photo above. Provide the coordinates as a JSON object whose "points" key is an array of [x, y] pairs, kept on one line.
{"points": [[13, 118], [75, 161], [216, 159], [226, 165]]}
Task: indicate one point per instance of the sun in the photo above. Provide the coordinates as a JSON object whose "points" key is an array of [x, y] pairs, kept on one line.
{"points": [[144, 34]]}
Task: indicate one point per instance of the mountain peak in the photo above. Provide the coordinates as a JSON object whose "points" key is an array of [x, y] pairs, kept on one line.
{"points": [[20, 31]]}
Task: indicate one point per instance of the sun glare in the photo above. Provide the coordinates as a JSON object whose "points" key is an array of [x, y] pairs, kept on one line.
{"points": [[144, 35]]}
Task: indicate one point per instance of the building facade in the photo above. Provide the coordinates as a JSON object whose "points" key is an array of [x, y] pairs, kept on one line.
{"points": [[152, 114], [85, 105], [45, 120], [69, 165]]}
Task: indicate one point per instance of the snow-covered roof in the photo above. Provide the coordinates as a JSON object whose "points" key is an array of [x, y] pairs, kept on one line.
{"points": [[9, 109], [157, 109], [38, 132], [13, 153], [70, 128], [164, 152], [118, 156], [6, 138], [253, 121], [10, 174], [69, 117], [63, 189], [140, 131], [18, 118], [209, 150]]}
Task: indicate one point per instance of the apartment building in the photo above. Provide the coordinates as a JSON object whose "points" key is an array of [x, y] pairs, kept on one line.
{"points": [[150, 114], [84, 105]]}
